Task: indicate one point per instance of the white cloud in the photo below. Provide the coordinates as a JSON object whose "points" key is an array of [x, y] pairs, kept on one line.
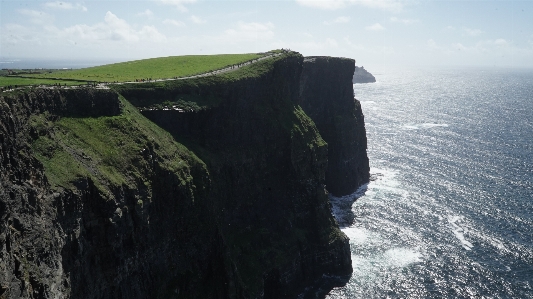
{"points": [[353, 45], [197, 20], [113, 29], [332, 43], [179, 4], [306, 34], [404, 21], [65, 5], [37, 17], [249, 32], [501, 42], [338, 20], [174, 22], [147, 13], [150, 33], [324, 4], [459, 46], [390, 5], [15, 33], [432, 44], [472, 32], [375, 27], [342, 20]]}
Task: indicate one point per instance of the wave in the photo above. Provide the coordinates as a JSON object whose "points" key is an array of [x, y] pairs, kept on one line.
{"points": [[459, 231], [424, 126]]}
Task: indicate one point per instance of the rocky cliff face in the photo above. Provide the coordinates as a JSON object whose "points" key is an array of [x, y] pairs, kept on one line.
{"points": [[73, 228], [96, 201], [326, 95]]}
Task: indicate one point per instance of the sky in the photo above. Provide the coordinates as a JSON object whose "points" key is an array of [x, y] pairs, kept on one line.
{"points": [[376, 33]]}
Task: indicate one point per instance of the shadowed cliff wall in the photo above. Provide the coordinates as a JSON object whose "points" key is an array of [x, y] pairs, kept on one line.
{"points": [[326, 95], [72, 228], [267, 162]]}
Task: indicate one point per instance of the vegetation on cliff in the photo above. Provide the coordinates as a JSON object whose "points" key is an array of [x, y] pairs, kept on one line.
{"points": [[112, 151], [152, 69]]}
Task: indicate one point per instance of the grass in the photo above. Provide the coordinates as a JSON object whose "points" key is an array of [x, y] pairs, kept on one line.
{"points": [[6, 81], [112, 151], [154, 68], [183, 94]]}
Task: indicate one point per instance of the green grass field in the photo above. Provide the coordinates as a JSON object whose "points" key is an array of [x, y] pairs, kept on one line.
{"points": [[6, 81], [154, 68]]}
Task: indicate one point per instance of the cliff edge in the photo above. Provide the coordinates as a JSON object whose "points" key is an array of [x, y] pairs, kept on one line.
{"points": [[326, 95]]}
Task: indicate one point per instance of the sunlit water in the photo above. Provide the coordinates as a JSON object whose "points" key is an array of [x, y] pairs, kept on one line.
{"points": [[449, 212]]}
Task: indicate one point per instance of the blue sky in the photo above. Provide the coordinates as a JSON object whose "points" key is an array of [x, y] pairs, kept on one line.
{"points": [[377, 33]]}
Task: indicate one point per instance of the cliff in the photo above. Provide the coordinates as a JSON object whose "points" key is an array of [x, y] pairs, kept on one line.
{"points": [[361, 75], [326, 95], [203, 188]]}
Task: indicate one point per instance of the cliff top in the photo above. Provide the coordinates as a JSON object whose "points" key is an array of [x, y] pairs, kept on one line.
{"points": [[137, 70], [187, 99], [327, 58]]}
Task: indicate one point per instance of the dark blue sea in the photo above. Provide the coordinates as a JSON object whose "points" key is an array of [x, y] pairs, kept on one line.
{"points": [[449, 210]]}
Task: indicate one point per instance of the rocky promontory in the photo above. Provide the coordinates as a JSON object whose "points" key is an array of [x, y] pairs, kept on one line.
{"points": [[211, 187], [326, 95], [361, 75]]}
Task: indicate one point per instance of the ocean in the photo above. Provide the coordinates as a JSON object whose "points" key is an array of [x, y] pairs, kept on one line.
{"points": [[449, 209]]}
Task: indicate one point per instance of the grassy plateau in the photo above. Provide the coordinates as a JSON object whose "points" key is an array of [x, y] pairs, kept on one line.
{"points": [[154, 68]]}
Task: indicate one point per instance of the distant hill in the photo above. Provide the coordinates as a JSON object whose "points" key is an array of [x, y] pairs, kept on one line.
{"points": [[362, 76]]}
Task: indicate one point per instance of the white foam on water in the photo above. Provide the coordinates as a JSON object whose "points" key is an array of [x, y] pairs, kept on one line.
{"points": [[459, 231], [341, 207], [433, 125], [357, 235], [385, 181], [423, 126], [410, 127], [401, 257]]}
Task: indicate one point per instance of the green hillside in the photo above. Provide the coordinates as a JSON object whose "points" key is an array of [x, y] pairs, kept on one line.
{"points": [[154, 68]]}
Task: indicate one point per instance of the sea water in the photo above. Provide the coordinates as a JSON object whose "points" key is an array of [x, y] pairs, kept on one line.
{"points": [[448, 212]]}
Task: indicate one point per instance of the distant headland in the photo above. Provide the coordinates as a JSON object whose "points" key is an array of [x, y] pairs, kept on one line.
{"points": [[362, 76]]}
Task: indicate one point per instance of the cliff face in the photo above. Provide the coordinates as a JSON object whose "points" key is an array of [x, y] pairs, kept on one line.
{"points": [[97, 201], [326, 95], [267, 162], [73, 226]]}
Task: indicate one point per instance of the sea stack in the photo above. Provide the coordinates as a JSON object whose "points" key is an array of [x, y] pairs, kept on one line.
{"points": [[361, 75]]}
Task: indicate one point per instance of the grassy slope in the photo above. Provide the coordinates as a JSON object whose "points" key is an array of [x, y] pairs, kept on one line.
{"points": [[155, 68], [113, 151]]}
